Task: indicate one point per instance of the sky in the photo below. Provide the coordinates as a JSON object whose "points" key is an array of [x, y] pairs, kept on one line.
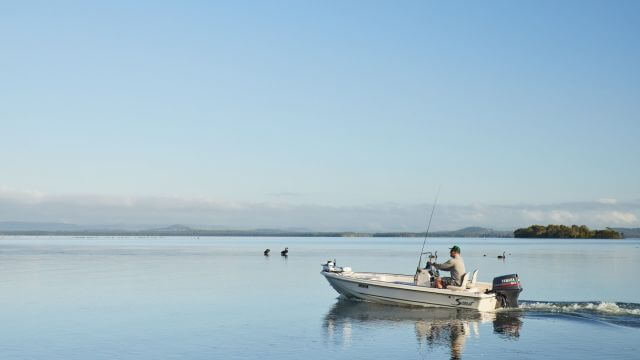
{"points": [[324, 115]]}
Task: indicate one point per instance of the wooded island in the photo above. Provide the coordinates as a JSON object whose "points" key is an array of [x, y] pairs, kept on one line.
{"points": [[565, 232]]}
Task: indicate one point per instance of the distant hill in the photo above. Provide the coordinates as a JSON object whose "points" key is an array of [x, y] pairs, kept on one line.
{"points": [[177, 228], [629, 233], [476, 231], [36, 226], [471, 231]]}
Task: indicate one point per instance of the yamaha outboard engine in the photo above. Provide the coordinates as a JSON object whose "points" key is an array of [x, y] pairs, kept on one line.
{"points": [[507, 289]]}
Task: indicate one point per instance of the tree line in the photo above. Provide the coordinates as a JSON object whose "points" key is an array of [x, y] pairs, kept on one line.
{"points": [[566, 232]]}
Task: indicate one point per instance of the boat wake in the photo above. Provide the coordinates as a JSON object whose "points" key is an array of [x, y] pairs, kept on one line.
{"points": [[589, 306], [618, 313]]}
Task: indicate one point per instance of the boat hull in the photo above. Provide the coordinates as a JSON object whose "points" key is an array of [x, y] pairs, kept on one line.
{"points": [[408, 294]]}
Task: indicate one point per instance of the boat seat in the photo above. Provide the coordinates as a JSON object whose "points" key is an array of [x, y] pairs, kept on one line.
{"points": [[463, 285], [474, 278]]}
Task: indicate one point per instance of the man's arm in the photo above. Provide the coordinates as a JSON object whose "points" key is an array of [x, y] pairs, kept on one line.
{"points": [[444, 266]]}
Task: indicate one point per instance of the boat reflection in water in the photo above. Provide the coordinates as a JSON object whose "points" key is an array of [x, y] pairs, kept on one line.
{"points": [[434, 327]]}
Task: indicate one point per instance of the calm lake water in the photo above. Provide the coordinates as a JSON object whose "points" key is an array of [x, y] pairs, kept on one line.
{"points": [[219, 298]]}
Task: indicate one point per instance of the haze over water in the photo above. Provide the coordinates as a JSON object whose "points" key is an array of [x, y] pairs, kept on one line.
{"points": [[218, 298]]}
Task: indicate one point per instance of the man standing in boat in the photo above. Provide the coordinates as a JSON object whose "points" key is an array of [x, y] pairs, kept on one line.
{"points": [[455, 265]]}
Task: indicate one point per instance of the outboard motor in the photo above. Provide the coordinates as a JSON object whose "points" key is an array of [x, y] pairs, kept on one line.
{"points": [[507, 289]]}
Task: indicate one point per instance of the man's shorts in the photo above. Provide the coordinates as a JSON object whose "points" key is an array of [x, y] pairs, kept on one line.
{"points": [[446, 281]]}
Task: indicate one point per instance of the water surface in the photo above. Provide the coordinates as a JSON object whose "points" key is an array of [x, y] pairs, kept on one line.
{"points": [[214, 298]]}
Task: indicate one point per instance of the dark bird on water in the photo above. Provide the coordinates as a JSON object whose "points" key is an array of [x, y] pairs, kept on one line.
{"points": [[266, 252], [484, 255], [502, 256], [284, 252]]}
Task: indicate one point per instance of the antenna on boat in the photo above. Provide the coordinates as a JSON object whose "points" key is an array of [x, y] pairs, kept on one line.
{"points": [[429, 225]]}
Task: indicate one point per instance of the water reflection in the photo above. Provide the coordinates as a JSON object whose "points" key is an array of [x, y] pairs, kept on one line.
{"points": [[507, 325], [434, 327]]}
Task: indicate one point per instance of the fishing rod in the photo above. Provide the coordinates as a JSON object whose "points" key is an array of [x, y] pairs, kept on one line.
{"points": [[429, 226]]}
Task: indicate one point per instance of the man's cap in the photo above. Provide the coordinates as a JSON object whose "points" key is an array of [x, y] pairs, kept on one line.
{"points": [[455, 248]]}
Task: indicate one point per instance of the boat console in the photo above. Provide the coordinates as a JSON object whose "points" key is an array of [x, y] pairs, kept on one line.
{"points": [[330, 266]]}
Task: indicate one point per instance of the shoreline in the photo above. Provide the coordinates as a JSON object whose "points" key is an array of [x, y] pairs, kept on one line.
{"points": [[274, 234]]}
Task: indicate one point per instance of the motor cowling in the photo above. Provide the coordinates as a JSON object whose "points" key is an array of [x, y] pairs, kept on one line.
{"points": [[507, 289]]}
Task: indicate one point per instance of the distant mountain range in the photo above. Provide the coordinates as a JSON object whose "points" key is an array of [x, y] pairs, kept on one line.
{"points": [[471, 231], [27, 228], [44, 228], [37, 226], [55, 226]]}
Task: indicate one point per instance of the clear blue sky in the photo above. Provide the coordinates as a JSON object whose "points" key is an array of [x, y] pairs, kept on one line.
{"points": [[334, 104]]}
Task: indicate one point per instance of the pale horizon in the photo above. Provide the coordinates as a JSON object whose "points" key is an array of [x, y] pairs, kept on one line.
{"points": [[95, 210]]}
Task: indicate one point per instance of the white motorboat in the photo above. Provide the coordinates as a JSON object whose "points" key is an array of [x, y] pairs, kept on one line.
{"points": [[420, 290]]}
